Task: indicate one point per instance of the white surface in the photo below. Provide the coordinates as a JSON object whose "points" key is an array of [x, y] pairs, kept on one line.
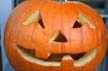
{"points": [[5, 9]]}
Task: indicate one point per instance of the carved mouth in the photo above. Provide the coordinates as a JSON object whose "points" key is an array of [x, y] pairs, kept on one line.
{"points": [[55, 59]]}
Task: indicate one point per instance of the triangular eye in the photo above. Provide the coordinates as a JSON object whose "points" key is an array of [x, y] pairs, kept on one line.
{"points": [[34, 17], [81, 19], [77, 24], [59, 37]]}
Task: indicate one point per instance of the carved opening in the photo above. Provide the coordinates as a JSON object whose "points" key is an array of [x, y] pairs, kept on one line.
{"points": [[81, 19], [34, 17], [41, 23], [29, 52], [55, 59], [77, 56], [58, 37], [58, 57], [77, 24]]}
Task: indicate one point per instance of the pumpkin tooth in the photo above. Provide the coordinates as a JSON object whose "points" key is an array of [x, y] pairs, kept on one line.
{"points": [[44, 55], [67, 63], [67, 57], [49, 54], [32, 18]]}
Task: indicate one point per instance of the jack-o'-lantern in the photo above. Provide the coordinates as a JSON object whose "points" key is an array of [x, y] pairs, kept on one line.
{"points": [[45, 35]]}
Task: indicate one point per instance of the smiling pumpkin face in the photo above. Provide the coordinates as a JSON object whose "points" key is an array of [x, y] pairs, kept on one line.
{"points": [[53, 36]]}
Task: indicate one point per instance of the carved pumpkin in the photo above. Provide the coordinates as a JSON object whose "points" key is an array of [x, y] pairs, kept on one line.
{"points": [[43, 35]]}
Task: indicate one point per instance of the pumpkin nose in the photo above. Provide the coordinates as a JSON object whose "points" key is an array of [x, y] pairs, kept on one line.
{"points": [[58, 37]]}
